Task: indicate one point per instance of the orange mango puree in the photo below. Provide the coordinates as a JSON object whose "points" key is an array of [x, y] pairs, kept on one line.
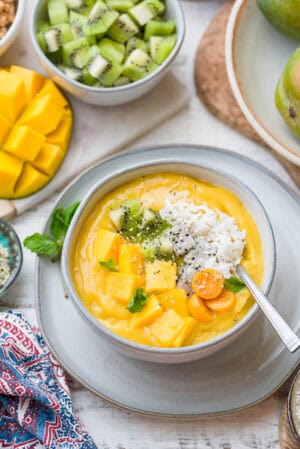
{"points": [[89, 277]]}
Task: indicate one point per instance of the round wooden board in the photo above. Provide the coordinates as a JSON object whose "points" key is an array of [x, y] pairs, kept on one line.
{"points": [[213, 85]]}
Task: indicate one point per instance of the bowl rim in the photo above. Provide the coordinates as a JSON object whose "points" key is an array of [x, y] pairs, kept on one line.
{"points": [[237, 86], [123, 342], [160, 69], [15, 26], [17, 269]]}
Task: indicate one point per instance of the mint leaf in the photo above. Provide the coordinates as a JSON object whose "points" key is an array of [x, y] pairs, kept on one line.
{"points": [[234, 284], [61, 220], [42, 244], [110, 265], [137, 301]]}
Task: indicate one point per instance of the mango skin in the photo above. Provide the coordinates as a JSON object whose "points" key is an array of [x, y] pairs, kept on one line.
{"points": [[284, 15], [287, 94]]}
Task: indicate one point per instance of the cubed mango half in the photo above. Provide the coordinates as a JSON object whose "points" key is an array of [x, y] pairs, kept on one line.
{"points": [[49, 158], [10, 170], [160, 276], [33, 81], [24, 142], [12, 95], [5, 126]]}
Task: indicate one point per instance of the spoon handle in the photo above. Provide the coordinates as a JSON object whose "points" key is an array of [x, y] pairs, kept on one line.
{"points": [[289, 338]]}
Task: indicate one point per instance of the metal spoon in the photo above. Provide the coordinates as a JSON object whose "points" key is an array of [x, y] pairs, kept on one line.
{"points": [[289, 338]]}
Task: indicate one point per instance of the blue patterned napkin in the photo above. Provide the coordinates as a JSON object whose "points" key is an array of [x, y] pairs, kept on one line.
{"points": [[35, 403]]}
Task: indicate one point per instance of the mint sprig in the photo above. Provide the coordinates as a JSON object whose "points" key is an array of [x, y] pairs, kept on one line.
{"points": [[137, 301], [51, 245], [109, 264], [234, 284]]}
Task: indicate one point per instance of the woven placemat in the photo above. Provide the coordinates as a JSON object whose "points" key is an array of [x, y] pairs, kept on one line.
{"points": [[213, 85]]}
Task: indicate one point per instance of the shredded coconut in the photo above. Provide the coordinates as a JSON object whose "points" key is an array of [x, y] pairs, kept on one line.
{"points": [[204, 237], [4, 266]]}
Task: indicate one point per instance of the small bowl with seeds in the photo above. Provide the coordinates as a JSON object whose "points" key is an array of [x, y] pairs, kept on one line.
{"points": [[11, 256], [12, 13]]}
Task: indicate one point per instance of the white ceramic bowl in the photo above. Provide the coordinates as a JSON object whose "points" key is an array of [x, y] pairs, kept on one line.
{"points": [[109, 96], [115, 179], [256, 54], [14, 29]]}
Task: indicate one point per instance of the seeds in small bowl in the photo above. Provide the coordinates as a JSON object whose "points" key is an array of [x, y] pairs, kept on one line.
{"points": [[7, 15], [106, 44]]}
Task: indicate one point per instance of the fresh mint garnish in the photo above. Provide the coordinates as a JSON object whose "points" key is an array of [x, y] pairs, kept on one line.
{"points": [[109, 264], [234, 284], [137, 301]]}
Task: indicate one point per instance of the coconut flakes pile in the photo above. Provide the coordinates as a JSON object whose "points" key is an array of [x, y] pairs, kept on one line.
{"points": [[204, 237], [4, 266]]}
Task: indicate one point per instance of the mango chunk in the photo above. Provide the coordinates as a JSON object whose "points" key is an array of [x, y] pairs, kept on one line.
{"points": [[149, 313], [188, 326], [61, 135], [30, 180], [33, 80], [24, 142], [49, 158], [12, 95], [160, 276], [42, 114], [106, 245], [167, 327], [175, 299], [10, 170], [131, 259], [121, 286], [4, 128], [50, 88]]}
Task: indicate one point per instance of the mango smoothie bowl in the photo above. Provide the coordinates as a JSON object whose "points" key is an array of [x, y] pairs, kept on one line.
{"points": [[150, 260]]}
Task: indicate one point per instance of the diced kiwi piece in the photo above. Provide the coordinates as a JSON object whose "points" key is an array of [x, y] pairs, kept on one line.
{"points": [[123, 29], [111, 74], [164, 246], [57, 36], [112, 50], [72, 72], [74, 52], [149, 251], [95, 63], [117, 216], [75, 4], [158, 28], [136, 42], [87, 78], [161, 47], [55, 57], [120, 5], [77, 24], [149, 217], [122, 81], [44, 26], [146, 10], [57, 12], [100, 19], [138, 65], [41, 41]]}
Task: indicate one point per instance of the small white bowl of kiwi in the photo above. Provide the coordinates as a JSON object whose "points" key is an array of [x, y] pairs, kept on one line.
{"points": [[107, 52]]}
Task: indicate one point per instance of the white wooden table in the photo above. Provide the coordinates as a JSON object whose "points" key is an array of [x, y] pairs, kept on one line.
{"points": [[112, 428]]}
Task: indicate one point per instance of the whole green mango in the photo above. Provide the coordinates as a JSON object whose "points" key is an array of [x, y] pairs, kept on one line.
{"points": [[287, 95], [283, 14]]}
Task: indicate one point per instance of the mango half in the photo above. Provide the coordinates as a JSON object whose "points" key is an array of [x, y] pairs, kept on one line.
{"points": [[35, 128], [287, 94], [284, 15]]}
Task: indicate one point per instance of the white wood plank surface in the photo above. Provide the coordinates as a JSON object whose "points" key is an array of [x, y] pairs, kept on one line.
{"points": [[256, 428]]}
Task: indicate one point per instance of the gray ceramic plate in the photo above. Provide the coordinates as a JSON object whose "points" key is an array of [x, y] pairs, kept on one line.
{"points": [[242, 374], [256, 54]]}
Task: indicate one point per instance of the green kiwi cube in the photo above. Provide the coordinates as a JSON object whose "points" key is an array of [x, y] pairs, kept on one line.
{"points": [[146, 10], [100, 19], [72, 72], [42, 42], [136, 42], [112, 50], [57, 12], [55, 57], [95, 63], [57, 36], [76, 5], [161, 47], [122, 81], [123, 29], [111, 74], [74, 52], [120, 5], [157, 28], [138, 65], [87, 78]]}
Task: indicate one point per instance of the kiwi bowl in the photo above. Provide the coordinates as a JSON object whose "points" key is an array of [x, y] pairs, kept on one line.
{"points": [[97, 94]]}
